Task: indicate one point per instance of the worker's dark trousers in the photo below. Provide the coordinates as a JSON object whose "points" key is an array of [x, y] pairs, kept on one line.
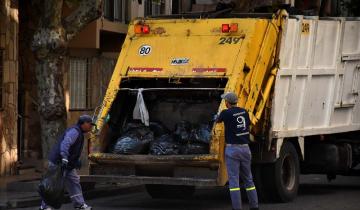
{"points": [[72, 186], [238, 163]]}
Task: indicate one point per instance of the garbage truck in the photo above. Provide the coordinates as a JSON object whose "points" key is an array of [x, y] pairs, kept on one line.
{"points": [[297, 76]]}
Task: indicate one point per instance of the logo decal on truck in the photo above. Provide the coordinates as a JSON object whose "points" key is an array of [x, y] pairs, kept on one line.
{"points": [[180, 61], [144, 50]]}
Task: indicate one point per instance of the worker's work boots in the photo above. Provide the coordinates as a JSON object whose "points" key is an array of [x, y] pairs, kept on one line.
{"points": [[84, 207]]}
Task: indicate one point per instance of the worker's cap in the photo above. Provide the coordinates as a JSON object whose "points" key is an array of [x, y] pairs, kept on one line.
{"points": [[230, 97], [85, 118]]}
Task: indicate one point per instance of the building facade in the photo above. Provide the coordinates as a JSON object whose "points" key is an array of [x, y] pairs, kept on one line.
{"points": [[92, 55], [9, 24]]}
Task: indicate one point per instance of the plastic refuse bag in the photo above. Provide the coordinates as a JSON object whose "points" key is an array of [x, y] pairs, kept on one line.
{"points": [[164, 145], [129, 145], [51, 187], [141, 133], [195, 148], [158, 129], [132, 125], [182, 131], [201, 134], [140, 111], [135, 141]]}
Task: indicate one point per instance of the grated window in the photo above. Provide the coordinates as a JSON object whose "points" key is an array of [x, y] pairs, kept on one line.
{"points": [[80, 92]]}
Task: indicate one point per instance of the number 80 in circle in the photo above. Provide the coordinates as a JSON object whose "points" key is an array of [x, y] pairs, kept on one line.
{"points": [[144, 50]]}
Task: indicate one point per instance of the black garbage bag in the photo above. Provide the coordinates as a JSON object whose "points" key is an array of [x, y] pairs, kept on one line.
{"points": [[201, 134], [195, 148], [141, 133], [158, 129], [133, 125], [164, 145], [182, 131], [129, 146], [135, 140], [51, 187]]}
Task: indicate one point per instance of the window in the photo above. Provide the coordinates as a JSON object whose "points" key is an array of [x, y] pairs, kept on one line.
{"points": [[154, 7], [1, 76], [80, 97], [116, 10]]}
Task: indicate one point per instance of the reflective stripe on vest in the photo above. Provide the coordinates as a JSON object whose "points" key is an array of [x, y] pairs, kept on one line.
{"points": [[250, 188]]}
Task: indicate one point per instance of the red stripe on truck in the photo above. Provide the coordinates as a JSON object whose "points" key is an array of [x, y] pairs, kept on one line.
{"points": [[142, 69], [201, 70]]}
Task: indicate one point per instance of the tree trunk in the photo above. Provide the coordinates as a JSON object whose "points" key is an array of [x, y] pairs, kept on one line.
{"points": [[51, 97], [50, 48]]}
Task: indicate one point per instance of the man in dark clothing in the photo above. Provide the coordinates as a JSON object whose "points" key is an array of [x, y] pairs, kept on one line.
{"points": [[237, 151], [66, 152]]}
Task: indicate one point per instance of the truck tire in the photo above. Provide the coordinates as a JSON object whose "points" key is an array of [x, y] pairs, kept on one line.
{"points": [[169, 191], [281, 179]]}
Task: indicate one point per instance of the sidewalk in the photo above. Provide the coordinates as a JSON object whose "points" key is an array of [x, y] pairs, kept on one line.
{"points": [[21, 191]]}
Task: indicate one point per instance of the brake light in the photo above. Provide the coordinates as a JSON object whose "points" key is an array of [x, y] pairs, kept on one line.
{"points": [[142, 29], [225, 28], [234, 27], [146, 29]]}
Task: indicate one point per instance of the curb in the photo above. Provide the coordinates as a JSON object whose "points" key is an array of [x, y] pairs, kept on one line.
{"points": [[89, 195], [3, 206]]}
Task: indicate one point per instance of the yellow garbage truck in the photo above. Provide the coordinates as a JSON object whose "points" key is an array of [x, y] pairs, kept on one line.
{"points": [[298, 77]]}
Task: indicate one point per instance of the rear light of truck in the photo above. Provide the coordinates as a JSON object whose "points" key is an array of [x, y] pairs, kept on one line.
{"points": [[226, 28], [142, 29]]}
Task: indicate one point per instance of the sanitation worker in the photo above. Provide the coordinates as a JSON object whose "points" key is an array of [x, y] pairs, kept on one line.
{"points": [[66, 152], [237, 151]]}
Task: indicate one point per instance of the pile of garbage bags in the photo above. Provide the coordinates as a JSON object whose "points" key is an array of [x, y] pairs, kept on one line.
{"points": [[156, 139]]}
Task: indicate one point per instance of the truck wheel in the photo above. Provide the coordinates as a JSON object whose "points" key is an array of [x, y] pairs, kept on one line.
{"points": [[282, 180], [169, 191]]}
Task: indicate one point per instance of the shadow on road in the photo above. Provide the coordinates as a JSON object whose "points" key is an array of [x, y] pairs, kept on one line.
{"points": [[323, 189]]}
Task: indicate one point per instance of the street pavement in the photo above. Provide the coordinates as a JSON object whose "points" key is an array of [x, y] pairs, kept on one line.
{"points": [[315, 193]]}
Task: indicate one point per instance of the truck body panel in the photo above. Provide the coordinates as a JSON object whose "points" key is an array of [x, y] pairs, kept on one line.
{"points": [[317, 85]]}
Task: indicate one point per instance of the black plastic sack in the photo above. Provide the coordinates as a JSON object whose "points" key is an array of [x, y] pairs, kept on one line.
{"points": [[158, 129], [51, 187], [164, 145], [195, 148], [133, 125], [182, 131], [129, 146], [141, 133], [201, 134]]}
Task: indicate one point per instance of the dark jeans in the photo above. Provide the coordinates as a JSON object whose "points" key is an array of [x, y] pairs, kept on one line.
{"points": [[238, 163]]}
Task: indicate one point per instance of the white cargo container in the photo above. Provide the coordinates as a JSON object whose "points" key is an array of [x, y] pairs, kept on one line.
{"points": [[317, 85], [315, 106]]}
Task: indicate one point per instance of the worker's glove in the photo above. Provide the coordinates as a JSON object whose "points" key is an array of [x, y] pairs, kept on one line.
{"points": [[78, 164], [64, 164]]}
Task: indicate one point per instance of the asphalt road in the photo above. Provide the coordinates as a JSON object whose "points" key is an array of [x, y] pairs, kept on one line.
{"points": [[314, 193]]}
